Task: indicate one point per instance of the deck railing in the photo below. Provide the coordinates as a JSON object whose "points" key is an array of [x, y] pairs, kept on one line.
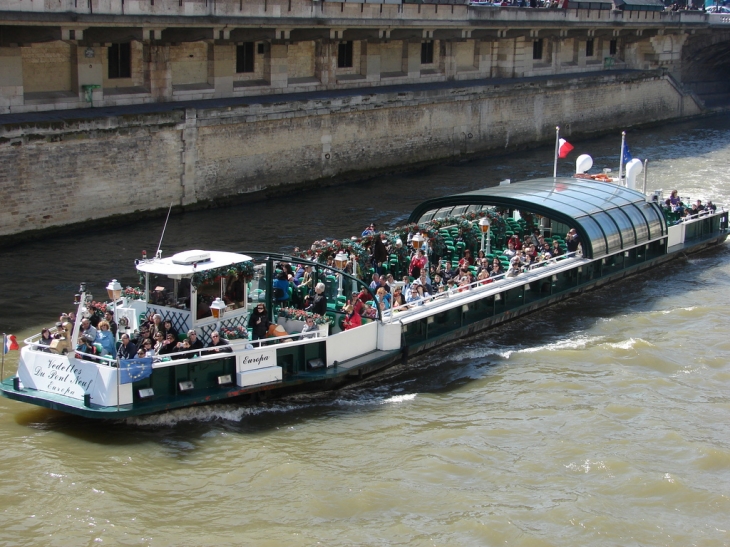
{"points": [[464, 291]]}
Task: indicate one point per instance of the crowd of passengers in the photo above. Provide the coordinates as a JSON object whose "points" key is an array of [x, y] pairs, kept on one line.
{"points": [[156, 338], [424, 280], [683, 211]]}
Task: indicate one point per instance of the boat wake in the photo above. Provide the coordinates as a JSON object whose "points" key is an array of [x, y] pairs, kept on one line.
{"points": [[236, 414], [573, 343], [631, 343]]}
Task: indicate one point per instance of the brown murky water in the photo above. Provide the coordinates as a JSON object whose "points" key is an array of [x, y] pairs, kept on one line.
{"points": [[602, 421]]}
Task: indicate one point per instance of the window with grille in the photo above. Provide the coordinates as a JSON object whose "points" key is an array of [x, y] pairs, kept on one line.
{"points": [[427, 52], [344, 55], [537, 49], [244, 57], [120, 61]]}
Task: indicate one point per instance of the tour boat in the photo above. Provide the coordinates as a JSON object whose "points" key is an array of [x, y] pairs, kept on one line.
{"points": [[622, 231]]}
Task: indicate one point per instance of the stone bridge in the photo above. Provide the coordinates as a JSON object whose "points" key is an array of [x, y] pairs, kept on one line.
{"points": [[64, 54], [130, 105]]}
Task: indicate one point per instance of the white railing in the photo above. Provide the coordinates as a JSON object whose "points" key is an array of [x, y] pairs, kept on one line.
{"points": [[464, 291]]}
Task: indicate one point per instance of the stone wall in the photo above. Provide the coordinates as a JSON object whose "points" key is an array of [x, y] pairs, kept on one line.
{"points": [[56, 174], [47, 67]]}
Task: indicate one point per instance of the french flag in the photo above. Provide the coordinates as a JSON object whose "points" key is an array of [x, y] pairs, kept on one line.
{"points": [[10, 343], [564, 148]]}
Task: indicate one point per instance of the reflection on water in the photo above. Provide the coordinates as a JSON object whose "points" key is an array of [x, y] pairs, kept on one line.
{"points": [[602, 420]]}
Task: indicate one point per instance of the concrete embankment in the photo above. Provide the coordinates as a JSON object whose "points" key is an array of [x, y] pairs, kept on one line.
{"points": [[62, 168]]}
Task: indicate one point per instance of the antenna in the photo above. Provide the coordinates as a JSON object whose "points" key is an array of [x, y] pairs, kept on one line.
{"points": [[157, 254]]}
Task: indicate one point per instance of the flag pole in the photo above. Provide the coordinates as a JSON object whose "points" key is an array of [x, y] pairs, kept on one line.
{"points": [[557, 145], [621, 159], [119, 378]]}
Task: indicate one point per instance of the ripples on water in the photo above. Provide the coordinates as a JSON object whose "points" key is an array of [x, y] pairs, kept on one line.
{"points": [[601, 421]]}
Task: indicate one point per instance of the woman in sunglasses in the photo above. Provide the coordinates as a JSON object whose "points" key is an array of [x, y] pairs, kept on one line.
{"points": [[259, 322]]}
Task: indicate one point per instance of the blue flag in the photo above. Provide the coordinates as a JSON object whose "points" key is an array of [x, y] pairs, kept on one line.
{"points": [[132, 370], [627, 154]]}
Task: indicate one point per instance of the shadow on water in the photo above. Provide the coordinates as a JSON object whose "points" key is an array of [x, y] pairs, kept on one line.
{"points": [[444, 370]]}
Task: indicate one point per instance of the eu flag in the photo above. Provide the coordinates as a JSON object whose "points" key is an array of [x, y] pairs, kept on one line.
{"points": [[627, 154], [132, 370]]}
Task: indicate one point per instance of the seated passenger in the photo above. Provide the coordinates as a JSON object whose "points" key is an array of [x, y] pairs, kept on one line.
{"points": [[382, 299], [369, 311], [483, 277], [169, 329], [45, 340], [190, 343], [218, 344], [193, 340], [423, 280], [446, 273], [127, 350], [352, 319], [86, 328], [149, 350], [309, 330], [168, 346], [398, 298], [510, 251], [467, 260], [418, 294], [497, 270], [159, 340], [156, 326], [105, 337], [85, 346]]}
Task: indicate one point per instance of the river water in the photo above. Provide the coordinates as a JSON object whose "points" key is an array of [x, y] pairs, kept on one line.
{"points": [[602, 421]]}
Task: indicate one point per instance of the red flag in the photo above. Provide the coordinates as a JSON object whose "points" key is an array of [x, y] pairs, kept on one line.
{"points": [[10, 343], [564, 148]]}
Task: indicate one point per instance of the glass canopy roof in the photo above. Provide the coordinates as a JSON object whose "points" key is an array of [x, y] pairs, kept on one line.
{"points": [[607, 217]]}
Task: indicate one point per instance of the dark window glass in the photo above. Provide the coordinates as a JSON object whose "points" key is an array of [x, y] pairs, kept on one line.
{"points": [[344, 55], [537, 49], [589, 48], [612, 48], [244, 57], [426, 53], [120, 61]]}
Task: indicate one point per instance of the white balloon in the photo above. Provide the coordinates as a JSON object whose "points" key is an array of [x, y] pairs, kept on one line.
{"points": [[583, 163]]}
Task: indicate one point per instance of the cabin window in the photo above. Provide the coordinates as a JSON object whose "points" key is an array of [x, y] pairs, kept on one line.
{"points": [[245, 57], [427, 52], [119, 61], [589, 48], [537, 50], [344, 55], [162, 291]]}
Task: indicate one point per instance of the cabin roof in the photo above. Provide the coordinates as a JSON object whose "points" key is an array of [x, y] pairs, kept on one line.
{"points": [[170, 266], [607, 217]]}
